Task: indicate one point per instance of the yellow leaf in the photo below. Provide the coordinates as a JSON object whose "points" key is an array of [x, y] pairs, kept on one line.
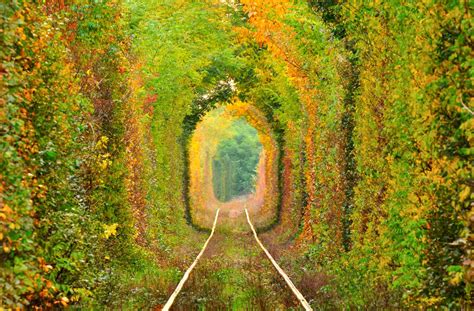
{"points": [[456, 279], [109, 230], [7, 209], [64, 301], [464, 194]]}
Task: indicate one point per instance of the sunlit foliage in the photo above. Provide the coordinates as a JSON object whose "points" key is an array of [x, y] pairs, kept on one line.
{"points": [[112, 113]]}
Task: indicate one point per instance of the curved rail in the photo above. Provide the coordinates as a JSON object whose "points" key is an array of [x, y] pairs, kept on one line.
{"points": [[173, 296], [297, 293]]}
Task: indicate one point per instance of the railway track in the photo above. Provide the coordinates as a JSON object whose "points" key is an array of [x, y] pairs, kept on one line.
{"points": [[251, 273]]}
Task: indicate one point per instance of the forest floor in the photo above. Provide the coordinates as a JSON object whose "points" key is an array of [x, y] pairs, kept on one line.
{"points": [[235, 274]]}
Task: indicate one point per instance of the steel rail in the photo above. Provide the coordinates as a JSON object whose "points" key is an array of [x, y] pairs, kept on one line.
{"points": [[297, 293], [173, 296]]}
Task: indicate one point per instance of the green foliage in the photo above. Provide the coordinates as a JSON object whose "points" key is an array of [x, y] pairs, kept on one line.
{"points": [[43, 220], [235, 163], [370, 103], [62, 157], [405, 220]]}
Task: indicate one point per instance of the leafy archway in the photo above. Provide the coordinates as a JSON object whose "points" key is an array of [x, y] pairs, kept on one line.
{"points": [[232, 164]]}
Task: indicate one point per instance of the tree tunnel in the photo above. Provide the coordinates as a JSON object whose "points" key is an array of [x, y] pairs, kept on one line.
{"points": [[232, 165], [235, 161]]}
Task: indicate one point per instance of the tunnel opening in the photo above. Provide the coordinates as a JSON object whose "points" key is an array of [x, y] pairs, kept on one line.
{"points": [[232, 161], [235, 163]]}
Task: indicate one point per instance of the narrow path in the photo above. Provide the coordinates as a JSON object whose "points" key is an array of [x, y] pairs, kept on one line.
{"points": [[235, 274]]}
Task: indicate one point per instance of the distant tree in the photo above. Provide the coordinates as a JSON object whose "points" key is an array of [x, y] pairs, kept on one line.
{"points": [[235, 162]]}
